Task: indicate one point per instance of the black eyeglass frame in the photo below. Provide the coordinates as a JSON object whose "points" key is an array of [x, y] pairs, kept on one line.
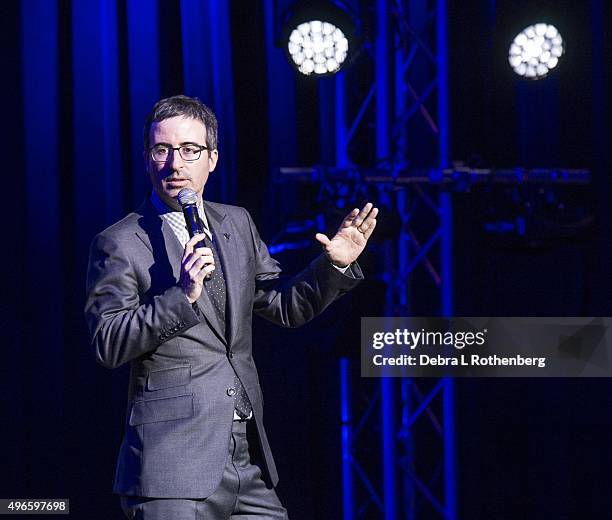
{"points": [[200, 147]]}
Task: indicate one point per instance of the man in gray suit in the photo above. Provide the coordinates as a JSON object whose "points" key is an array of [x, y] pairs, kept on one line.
{"points": [[194, 444]]}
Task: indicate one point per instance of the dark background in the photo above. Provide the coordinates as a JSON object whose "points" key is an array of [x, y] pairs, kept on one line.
{"points": [[79, 78]]}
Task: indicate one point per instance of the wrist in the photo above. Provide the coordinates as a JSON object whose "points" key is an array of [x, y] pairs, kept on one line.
{"points": [[189, 298], [335, 263], [338, 264]]}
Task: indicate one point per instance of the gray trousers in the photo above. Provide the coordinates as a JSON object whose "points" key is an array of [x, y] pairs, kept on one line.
{"points": [[241, 495]]}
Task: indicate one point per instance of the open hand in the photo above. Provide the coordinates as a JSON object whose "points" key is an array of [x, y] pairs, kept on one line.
{"points": [[352, 236]]}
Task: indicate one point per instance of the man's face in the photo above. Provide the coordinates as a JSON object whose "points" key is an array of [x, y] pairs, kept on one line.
{"points": [[170, 177]]}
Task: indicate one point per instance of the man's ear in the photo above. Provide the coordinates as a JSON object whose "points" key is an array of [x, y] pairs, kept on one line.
{"points": [[213, 157]]}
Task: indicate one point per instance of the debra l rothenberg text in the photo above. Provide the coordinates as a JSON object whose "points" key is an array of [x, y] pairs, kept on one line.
{"points": [[473, 360], [413, 339]]}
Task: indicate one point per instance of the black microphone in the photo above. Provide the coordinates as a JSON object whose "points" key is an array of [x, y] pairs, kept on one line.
{"points": [[188, 199]]}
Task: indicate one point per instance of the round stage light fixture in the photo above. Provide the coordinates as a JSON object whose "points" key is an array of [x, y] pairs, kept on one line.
{"points": [[536, 50], [318, 37]]}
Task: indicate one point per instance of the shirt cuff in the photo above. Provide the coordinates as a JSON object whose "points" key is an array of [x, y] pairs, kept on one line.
{"points": [[341, 269]]}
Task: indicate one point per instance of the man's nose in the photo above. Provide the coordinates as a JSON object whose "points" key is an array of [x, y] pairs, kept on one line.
{"points": [[176, 161]]}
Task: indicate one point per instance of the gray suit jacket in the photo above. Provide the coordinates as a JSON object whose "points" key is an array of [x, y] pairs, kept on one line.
{"points": [[179, 412]]}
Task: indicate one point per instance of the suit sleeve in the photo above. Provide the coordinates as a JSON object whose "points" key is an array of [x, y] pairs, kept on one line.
{"points": [[294, 301], [122, 327]]}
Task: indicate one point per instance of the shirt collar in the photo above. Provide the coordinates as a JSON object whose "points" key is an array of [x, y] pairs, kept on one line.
{"points": [[163, 209]]}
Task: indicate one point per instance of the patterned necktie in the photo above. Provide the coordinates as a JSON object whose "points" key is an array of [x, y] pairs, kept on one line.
{"points": [[215, 287]]}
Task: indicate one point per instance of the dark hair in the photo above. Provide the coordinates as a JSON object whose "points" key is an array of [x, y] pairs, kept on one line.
{"points": [[187, 107]]}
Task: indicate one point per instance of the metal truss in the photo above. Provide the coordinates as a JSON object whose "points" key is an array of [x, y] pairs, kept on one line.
{"points": [[398, 435], [410, 96], [416, 419]]}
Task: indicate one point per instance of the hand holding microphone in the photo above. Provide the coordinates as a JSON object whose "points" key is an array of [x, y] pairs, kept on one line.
{"points": [[198, 262]]}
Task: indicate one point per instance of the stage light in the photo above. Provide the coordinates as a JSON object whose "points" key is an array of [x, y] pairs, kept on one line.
{"points": [[318, 37], [536, 50]]}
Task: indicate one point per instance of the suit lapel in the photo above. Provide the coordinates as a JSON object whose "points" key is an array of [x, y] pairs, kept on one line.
{"points": [[227, 248], [157, 235]]}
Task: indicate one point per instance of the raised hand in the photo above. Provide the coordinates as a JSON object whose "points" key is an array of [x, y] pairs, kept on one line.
{"points": [[352, 236]]}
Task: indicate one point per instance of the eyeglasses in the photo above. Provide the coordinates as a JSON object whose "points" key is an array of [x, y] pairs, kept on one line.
{"points": [[188, 152]]}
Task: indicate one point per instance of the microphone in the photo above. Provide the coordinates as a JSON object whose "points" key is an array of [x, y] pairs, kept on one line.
{"points": [[188, 199]]}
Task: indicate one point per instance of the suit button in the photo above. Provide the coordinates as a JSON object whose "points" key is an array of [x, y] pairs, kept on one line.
{"points": [[231, 391], [231, 355]]}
